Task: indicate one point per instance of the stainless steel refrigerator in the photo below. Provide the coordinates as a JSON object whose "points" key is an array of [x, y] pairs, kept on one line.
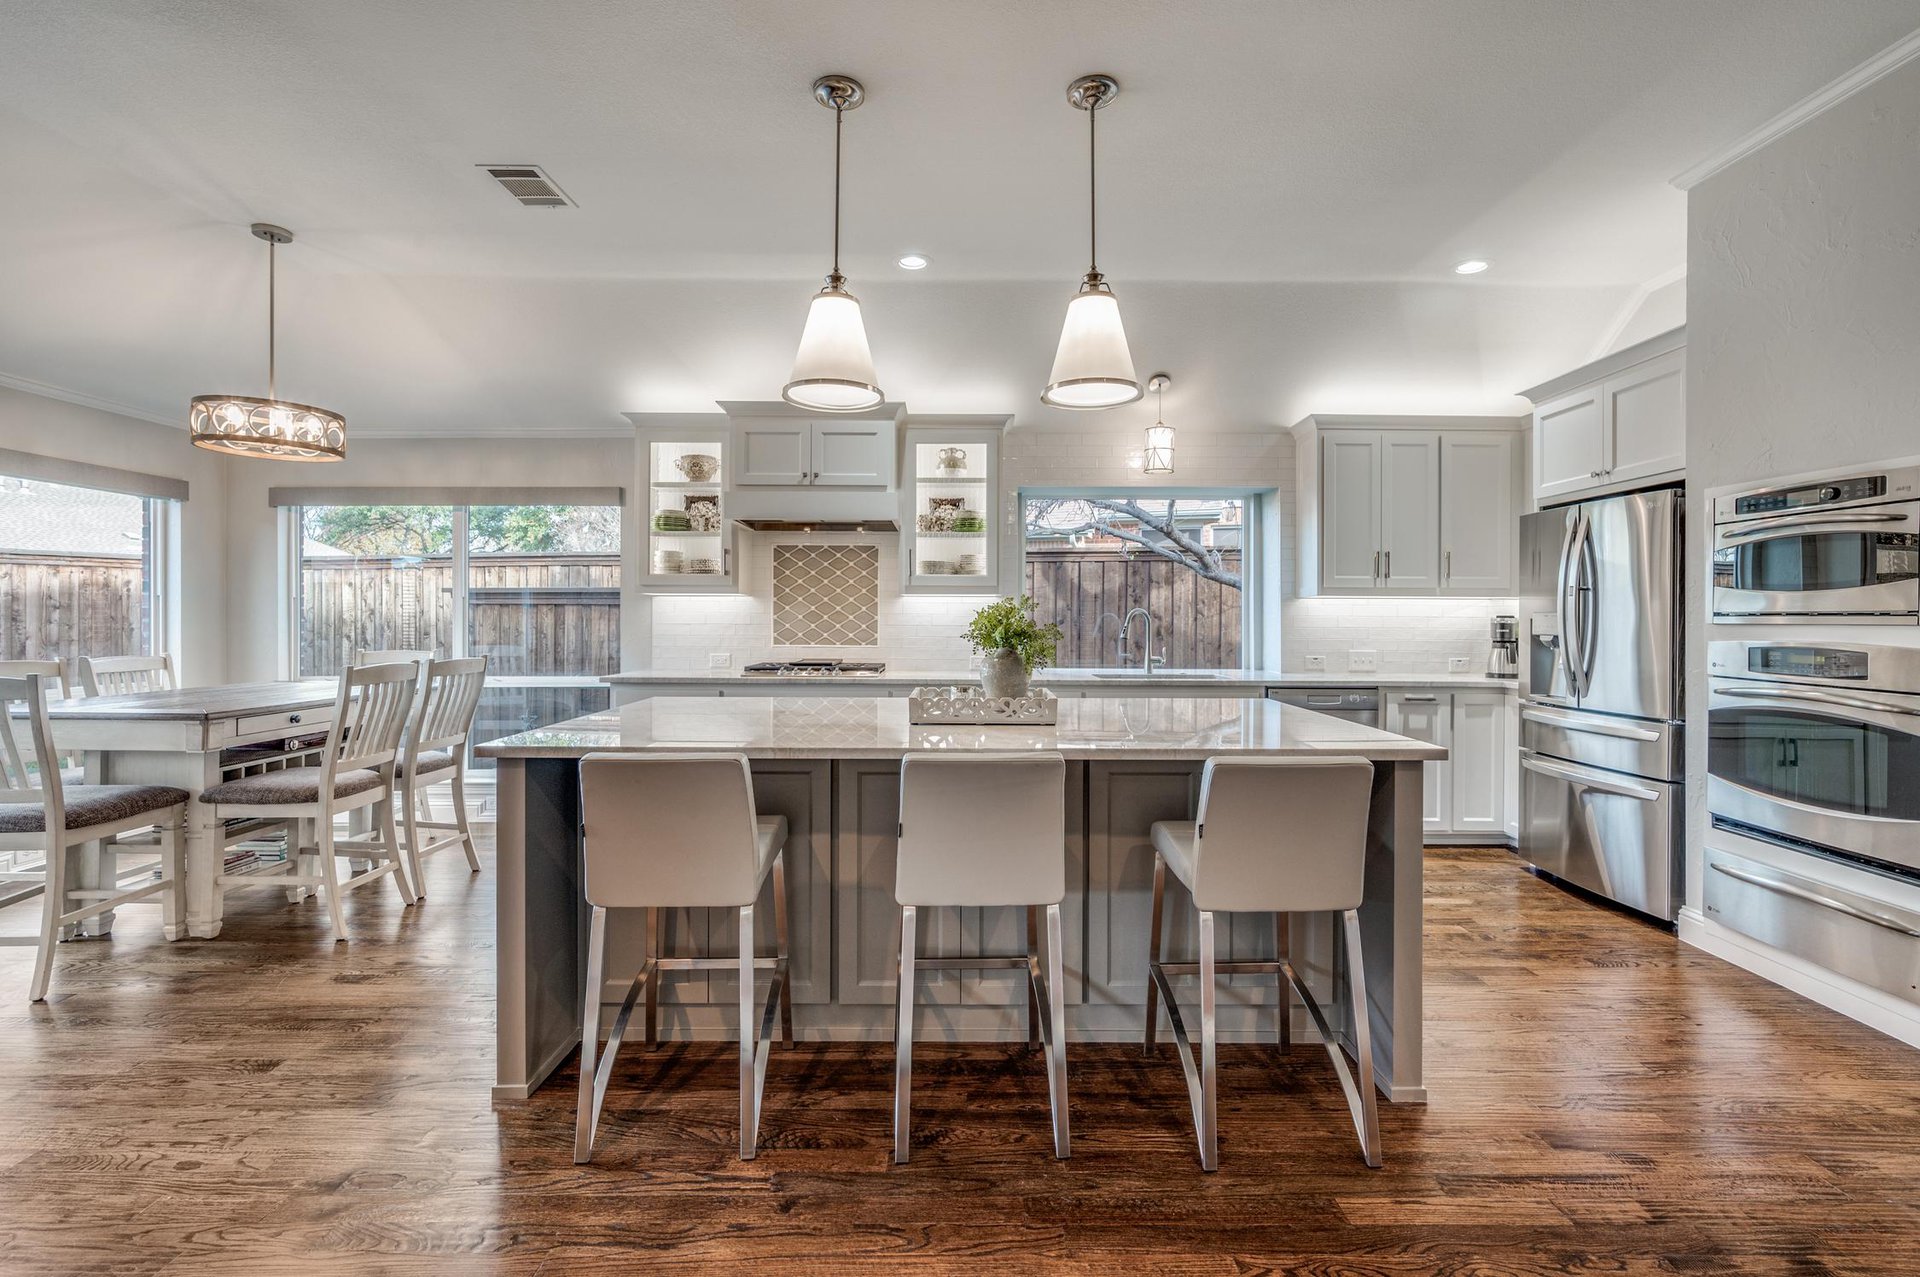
{"points": [[1601, 758]]}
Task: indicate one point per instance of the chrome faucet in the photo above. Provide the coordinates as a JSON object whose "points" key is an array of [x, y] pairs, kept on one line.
{"points": [[1148, 660]]}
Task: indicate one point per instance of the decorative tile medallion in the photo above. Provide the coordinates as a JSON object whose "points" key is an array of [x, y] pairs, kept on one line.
{"points": [[826, 595]]}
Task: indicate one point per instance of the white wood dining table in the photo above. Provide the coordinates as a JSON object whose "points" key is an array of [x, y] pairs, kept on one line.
{"points": [[181, 737]]}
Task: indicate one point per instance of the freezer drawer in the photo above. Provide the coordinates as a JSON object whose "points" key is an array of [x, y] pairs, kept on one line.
{"points": [[1864, 939], [1611, 833], [1602, 740]]}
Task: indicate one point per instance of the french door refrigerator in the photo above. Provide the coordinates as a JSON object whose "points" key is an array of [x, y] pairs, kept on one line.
{"points": [[1601, 757]]}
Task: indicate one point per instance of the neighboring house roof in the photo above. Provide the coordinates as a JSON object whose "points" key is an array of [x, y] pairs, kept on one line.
{"points": [[54, 518]]}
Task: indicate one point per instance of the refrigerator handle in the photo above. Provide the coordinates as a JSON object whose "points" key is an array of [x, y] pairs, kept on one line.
{"points": [[1587, 590], [1566, 587]]}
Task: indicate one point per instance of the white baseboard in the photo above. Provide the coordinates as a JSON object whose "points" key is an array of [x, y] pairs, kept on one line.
{"points": [[1895, 1017]]}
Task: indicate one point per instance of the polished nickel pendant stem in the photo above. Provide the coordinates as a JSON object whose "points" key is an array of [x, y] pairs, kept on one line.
{"points": [[1092, 367], [833, 369]]}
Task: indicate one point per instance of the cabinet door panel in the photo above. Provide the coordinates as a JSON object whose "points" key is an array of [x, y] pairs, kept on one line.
{"points": [[1349, 510], [1410, 511], [1646, 414], [1428, 716], [866, 916], [1478, 524], [854, 455], [771, 452], [1479, 762], [1568, 451]]}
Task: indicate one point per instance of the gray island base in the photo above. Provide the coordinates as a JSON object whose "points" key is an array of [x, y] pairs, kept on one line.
{"points": [[831, 766]]}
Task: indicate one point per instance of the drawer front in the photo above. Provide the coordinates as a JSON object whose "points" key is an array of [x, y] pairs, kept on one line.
{"points": [[301, 721], [1618, 744], [1866, 940]]}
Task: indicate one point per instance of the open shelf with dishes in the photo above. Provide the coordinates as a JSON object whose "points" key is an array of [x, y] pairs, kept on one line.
{"points": [[950, 527], [687, 533]]}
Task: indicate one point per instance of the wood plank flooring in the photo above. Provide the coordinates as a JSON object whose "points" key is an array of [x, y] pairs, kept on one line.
{"points": [[1605, 1100]]}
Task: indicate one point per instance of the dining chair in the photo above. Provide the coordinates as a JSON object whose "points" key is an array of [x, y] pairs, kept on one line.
{"points": [[356, 771], [126, 675], [435, 752], [418, 657], [14, 772], [65, 820]]}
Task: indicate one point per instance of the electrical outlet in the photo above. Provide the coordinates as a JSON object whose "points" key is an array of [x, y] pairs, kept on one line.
{"points": [[719, 660], [1457, 664], [1316, 664], [1363, 660]]}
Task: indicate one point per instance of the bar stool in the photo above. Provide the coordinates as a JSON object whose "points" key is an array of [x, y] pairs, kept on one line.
{"points": [[679, 831], [1279, 835], [980, 830]]}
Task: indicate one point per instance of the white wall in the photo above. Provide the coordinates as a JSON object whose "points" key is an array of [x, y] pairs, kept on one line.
{"points": [[69, 432], [256, 615], [1803, 330]]}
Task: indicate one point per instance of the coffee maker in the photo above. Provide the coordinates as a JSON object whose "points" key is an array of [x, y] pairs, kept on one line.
{"points": [[1504, 660]]}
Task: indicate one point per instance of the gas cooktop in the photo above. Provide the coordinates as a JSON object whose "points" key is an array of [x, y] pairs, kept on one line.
{"points": [[821, 667]]}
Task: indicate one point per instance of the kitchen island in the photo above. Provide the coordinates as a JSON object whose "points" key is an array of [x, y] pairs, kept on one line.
{"points": [[831, 766]]}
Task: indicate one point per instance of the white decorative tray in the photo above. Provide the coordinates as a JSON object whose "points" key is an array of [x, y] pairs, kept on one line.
{"points": [[940, 705]]}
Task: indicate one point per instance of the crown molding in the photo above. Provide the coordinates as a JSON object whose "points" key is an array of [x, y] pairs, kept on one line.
{"points": [[27, 385], [1880, 64], [1631, 307]]}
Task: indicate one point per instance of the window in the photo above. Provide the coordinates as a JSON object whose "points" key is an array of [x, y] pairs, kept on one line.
{"points": [[534, 588], [1093, 557], [78, 572]]}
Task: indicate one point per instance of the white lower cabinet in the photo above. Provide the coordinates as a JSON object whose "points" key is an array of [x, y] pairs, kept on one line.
{"points": [[1465, 795]]}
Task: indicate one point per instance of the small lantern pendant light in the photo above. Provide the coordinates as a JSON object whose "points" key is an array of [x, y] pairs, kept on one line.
{"points": [[270, 428], [833, 370], [1092, 367], [1158, 458]]}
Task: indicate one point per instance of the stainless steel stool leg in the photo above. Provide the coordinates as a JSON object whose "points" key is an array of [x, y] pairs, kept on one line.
{"points": [[1033, 967], [1366, 1117], [1282, 954], [1056, 1026], [1154, 953], [653, 991], [903, 1042], [587, 1113], [780, 944], [1209, 1089], [749, 1099]]}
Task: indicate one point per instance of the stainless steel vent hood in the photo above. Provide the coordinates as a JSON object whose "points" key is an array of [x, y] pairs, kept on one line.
{"points": [[819, 525]]}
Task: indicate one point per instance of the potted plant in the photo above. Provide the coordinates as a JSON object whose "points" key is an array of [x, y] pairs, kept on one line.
{"points": [[1011, 644]]}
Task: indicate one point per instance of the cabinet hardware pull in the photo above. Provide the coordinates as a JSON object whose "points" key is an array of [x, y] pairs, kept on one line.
{"points": [[1389, 565], [1449, 565], [1423, 700], [1376, 565], [293, 718]]}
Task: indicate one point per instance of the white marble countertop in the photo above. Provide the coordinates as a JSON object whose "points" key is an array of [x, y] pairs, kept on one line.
{"points": [[1198, 679], [1157, 727]]}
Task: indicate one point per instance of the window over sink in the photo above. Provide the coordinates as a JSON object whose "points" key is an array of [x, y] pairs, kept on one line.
{"points": [[1093, 556]]}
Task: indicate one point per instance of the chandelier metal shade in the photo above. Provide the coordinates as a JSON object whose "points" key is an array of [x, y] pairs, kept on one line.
{"points": [[271, 428], [833, 369], [1092, 368], [1158, 457]]}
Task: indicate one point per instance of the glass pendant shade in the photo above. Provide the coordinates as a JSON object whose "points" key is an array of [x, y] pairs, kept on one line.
{"points": [[1092, 367], [1159, 454], [833, 369]]}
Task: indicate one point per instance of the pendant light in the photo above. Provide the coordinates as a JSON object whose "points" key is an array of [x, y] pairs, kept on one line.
{"points": [[1158, 458], [833, 369], [1092, 367], [272, 428]]}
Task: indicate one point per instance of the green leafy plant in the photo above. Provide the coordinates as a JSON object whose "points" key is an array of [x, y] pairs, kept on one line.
{"points": [[1008, 625]]}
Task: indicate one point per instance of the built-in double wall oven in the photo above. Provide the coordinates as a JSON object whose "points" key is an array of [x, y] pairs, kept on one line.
{"points": [[1835, 550], [1816, 745]]}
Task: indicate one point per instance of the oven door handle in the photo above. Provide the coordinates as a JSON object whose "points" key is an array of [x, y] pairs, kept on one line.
{"points": [[1819, 698], [1575, 723], [1797, 522], [1586, 779], [1785, 887]]}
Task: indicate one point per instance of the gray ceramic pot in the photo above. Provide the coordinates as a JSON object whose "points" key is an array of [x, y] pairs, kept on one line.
{"points": [[1003, 674]]}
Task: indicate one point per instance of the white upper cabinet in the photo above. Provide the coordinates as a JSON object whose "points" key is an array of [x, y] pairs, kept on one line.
{"points": [[1410, 511], [1619, 422], [1479, 520], [793, 452], [1403, 510]]}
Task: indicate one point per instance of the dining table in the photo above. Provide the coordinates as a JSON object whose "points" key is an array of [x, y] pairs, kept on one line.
{"points": [[193, 738]]}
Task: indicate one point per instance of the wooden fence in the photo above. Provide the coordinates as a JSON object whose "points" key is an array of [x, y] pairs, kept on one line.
{"points": [[531, 614], [1087, 592], [62, 607]]}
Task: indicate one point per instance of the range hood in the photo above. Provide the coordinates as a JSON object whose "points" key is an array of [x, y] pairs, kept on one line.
{"points": [[818, 525]]}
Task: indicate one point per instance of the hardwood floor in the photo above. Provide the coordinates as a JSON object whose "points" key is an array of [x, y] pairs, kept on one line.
{"points": [[1605, 1100]]}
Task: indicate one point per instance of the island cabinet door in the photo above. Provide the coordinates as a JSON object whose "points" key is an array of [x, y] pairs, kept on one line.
{"points": [[865, 851], [1123, 801], [802, 792]]}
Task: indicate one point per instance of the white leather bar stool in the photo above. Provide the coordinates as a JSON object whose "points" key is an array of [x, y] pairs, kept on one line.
{"points": [[679, 831], [1281, 836], [984, 830]]}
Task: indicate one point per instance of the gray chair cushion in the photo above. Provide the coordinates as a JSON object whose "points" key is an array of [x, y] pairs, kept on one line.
{"points": [[288, 785], [89, 805], [431, 760]]}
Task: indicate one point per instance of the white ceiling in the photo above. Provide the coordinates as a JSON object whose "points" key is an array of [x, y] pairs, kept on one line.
{"points": [[1285, 187]]}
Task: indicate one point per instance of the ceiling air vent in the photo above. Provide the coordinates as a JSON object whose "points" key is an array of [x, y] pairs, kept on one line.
{"points": [[529, 184]]}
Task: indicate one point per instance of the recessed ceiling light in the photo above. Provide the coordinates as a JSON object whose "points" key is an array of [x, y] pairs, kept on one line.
{"points": [[914, 261], [1472, 266]]}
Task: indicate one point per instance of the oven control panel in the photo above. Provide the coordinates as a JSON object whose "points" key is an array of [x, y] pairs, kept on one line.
{"points": [[1862, 489], [1807, 662]]}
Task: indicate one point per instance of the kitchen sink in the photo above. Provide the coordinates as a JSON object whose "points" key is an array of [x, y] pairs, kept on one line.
{"points": [[1160, 675]]}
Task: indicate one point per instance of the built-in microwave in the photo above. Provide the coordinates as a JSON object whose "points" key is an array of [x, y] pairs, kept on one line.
{"points": [[1827, 550], [1817, 747]]}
